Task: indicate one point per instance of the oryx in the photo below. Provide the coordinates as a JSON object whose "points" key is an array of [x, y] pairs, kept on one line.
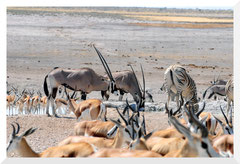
{"points": [[140, 94], [125, 83], [217, 87], [85, 80]]}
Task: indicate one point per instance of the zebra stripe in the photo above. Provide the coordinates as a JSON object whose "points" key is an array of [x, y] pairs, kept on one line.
{"points": [[177, 78]]}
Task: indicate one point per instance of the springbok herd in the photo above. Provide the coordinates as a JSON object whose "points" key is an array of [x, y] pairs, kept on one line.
{"points": [[191, 132]]}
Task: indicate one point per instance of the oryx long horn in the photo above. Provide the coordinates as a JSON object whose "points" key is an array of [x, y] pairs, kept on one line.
{"points": [[143, 82], [218, 77], [138, 87], [105, 65], [224, 115], [122, 116], [198, 123], [199, 112]]}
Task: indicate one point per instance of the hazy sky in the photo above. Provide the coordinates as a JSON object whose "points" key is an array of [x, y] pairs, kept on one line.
{"points": [[125, 3]]}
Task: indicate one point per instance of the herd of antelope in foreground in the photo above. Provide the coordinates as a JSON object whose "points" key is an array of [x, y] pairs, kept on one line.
{"points": [[191, 132]]}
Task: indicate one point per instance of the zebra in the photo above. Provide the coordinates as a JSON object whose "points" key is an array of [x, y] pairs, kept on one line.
{"points": [[178, 81], [229, 92]]}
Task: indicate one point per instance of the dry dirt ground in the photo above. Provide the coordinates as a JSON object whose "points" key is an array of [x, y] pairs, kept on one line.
{"points": [[39, 39]]}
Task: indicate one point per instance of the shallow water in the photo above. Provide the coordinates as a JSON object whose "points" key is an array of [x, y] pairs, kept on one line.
{"points": [[14, 111]]}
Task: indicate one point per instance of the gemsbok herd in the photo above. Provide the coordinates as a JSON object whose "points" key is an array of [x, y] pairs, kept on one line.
{"points": [[191, 132]]}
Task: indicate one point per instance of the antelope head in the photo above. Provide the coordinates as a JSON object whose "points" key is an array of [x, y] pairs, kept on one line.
{"points": [[112, 86], [226, 127], [200, 144], [16, 139], [171, 113]]}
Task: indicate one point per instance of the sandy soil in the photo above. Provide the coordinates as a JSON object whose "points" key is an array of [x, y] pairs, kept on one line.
{"points": [[43, 38]]}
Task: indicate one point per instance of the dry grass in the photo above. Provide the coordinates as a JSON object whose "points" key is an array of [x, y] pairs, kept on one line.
{"points": [[182, 19], [185, 20]]}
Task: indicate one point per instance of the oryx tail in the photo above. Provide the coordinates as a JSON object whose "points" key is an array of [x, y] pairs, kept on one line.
{"points": [[45, 87]]}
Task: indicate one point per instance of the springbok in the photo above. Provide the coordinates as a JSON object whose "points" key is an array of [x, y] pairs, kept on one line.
{"points": [[43, 103], [18, 143], [91, 109], [11, 99], [227, 127], [124, 153], [85, 80], [123, 135], [158, 145], [178, 80], [95, 128], [205, 118], [60, 103], [28, 99], [224, 145], [35, 103], [195, 145], [229, 92]]}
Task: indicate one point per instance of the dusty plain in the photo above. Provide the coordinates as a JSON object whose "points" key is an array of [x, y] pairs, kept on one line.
{"points": [[39, 39]]}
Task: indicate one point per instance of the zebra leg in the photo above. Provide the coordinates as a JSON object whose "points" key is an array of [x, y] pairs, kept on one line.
{"points": [[177, 100], [228, 106], [168, 99]]}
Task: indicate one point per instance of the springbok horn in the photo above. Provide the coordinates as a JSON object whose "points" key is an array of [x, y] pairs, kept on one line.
{"points": [[220, 122], [186, 109], [198, 123], [105, 65], [230, 119], [143, 125], [224, 115], [199, 112], [179, 106], [14, 130], [167, 110], [18, 127], [122, 116], [129, 106]]}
